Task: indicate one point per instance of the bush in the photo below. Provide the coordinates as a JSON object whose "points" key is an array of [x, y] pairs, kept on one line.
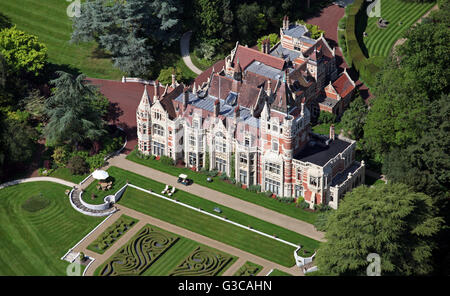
{"points": [[223, 177], [326, 117], [77, 165], [238, 184], [96, 161], [60, 156], [167, 160], [254, 188], [303, 204], [273, 38], [268, 193], [322, 207], [212, 173]]}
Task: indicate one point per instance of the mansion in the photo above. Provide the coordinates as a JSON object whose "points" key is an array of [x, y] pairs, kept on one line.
{"points": [[249, 117]]}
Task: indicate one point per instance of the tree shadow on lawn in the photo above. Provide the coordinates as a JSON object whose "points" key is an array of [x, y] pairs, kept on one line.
{"points": [[53, 68]]}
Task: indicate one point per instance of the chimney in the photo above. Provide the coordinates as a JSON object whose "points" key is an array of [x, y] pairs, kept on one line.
{"points": [[174, 81], [216, 108], [332, 132], [303, 109], [237, 112], [185, 99], [269, 88], [156, 95], [194, 90]]}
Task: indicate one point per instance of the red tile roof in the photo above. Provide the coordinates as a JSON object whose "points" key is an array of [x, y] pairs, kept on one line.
{"points": [[247, 55], [344, 85]]}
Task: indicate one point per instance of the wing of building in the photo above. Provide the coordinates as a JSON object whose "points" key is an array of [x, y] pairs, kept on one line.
{"points": [[250, 119]]}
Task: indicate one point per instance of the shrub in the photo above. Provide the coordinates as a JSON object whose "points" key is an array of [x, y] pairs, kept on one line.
{"points": [[212, 173], [238, 184], [268, 193], [314, 30], [303, 204], [60, 156], [96, 161], [167, 161], [326, 117], [254, 188], [273, 38], [77, 165], [223, 177]]}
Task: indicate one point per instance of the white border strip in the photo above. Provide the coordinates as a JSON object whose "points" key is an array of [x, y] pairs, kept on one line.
{"points": [[87, 266], [270, 271]]}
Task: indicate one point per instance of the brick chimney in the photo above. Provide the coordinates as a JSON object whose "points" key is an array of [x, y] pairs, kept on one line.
{"points": [[216, 108], [237, 112], [185, 100], [156, 94], [332, 136], [174, 80]]}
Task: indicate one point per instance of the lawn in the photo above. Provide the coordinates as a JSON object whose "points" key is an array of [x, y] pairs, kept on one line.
{"points": [[380, 41], [65, 174], [324, 128], [230, 189], [216, 229], [121, 176], [49, 21], [32, 243]]}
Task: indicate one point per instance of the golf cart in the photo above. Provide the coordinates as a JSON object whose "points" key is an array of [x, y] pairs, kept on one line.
{"points": [[183, 179]]}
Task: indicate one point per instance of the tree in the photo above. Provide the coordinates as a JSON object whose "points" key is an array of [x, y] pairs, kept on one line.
{"points": [[77, 165], [250, 22], [72, 118], [165, 76], [128, 30], [22, 52], [273, 39], [209, 16], [354, 118], [390, 220]]}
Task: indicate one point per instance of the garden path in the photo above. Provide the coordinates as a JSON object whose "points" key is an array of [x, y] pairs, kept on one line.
{"points": [[38, 179], [184, 48]]}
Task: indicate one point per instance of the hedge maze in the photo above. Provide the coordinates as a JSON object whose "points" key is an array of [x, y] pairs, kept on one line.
{"points": [[248, 269], [139, 253], [202, 262], [112, 234]]}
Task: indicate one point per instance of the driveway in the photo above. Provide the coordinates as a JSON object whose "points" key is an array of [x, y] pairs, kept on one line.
{"points": [[184, 47]]}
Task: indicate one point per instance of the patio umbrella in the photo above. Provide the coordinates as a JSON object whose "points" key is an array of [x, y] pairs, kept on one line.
{"points": [[100, 174]]}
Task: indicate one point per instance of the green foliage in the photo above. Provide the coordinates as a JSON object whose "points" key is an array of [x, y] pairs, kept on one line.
{"points": [[314, 30], [96, 161], [60, 156], [167, 160], [165, 76], [23, 53], [209, 16], [273, 38], [392, 221], [72, 118], [321, 222], [254, 188], [128, 30], [35, 203], [326, 117], [77, 165], [251, 21], [354, 118]]}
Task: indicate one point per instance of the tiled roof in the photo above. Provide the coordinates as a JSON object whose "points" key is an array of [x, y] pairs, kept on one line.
{"points": [[247, 55], [318, 153], [296, 31], [344, 85]]}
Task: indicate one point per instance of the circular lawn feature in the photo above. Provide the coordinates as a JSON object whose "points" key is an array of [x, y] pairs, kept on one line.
{"points": [[35, 203]]}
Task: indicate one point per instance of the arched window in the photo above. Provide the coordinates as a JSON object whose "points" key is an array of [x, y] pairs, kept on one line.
{"points": [[158, 130]]}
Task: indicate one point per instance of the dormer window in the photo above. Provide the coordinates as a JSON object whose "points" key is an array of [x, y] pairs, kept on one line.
{"points": [[247, 142], [195, 124], [314, 181]]}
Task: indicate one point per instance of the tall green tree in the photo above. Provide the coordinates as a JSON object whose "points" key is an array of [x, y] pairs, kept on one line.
{"points": [[128, 30], [251, 22], [391, 220], [72, 117], [354, 119]]}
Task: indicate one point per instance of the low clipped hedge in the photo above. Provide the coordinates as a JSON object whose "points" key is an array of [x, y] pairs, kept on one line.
{"points": [[367, 68]]}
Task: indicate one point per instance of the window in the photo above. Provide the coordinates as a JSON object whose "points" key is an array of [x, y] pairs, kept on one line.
{"points": [[247, 141], [192, 140], [144, 128], [275, 145], [221, 146], [272, 186], [158, 130], [195, 124], [243, 158], [314, 181], [268, 127], [192, 159], [243, 176], [221, 165], [298, 191], [275, 128], [145, 147], [158, 148], [273, 168], [299, 174], [252, 158], [157, 115]]}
